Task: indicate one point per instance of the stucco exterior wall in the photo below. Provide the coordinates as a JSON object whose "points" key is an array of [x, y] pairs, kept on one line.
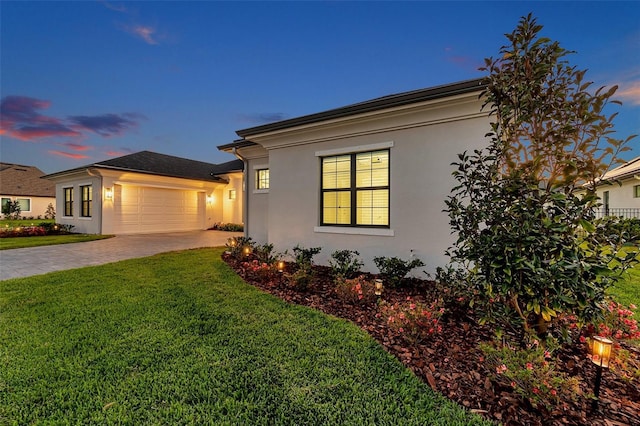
{"points": [[83, 225], [423, 142], [621, 197], [38, 205]]}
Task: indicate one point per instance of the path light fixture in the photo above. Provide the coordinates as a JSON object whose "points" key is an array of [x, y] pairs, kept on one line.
{"points": [[379, 287], [280, 266], [108, 193], [600, 356], [246, 250], [232, 242]]}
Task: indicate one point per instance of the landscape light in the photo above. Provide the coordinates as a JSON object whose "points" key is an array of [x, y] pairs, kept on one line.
{"points": [[379, 287], [281, 266], [600, 356]]}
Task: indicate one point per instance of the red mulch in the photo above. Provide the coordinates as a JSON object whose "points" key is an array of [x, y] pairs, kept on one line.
{"points": [[450, 362]]}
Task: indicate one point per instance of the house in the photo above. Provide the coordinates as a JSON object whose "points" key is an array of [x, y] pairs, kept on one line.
{"points": [[147, 192], [371, 177], [620, 191], [24, 184]]}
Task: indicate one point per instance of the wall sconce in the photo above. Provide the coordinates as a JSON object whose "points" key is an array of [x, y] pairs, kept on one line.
{"points": [[232, 194], [281, 266], [210, 199], [600, 356], [108, 193], [379, 287]]}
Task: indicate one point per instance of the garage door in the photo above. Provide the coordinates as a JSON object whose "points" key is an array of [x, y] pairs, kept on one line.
{"points": [[141, 209]]}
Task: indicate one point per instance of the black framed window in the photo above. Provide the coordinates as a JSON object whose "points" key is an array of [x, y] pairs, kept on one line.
{"points": [[68, 201], [262, 179], [86, 194], [355, 189]]}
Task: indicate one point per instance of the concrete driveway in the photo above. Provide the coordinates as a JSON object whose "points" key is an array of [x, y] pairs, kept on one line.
{"points": [[26, 262]]}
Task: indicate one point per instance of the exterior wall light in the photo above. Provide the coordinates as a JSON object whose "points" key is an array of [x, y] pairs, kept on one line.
{"points": [[210, 199], [600, 356], [108, 193], [232, 194], [379, 287]]}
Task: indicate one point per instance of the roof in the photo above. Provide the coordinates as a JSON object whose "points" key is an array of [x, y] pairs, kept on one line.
{"points": [[163, 165], [20, 180], [385, 102], [624, 171]]}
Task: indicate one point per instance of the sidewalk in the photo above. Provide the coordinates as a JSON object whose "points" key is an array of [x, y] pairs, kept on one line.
{"points": [[26, 262]]}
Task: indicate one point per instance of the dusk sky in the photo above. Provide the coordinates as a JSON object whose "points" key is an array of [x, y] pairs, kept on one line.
{"points": [[86, 81]]}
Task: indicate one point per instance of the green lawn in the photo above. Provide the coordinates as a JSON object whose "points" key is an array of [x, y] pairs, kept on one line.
{"points": [[47, 240], [23, 222], [627, 291], [178, 338]]}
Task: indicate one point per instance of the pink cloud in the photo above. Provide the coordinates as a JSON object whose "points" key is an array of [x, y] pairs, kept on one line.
{"points": [[69, 155], [144, 32], [78, 147], [629, 92], [20, 118]]}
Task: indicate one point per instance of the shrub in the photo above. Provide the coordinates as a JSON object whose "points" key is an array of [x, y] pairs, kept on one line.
{"points": [[355, 290], [344, 263], [529, 371], [393, 270], [304, 256], [236, 246], [523, 208], [50, 213], [265, 254], [228, 227], [260, 271], [11, 210], [415, 321]]}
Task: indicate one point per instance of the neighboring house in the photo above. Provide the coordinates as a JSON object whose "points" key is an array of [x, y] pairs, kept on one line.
{"points": [[371, 177], [148, 192], [24, 185], [620, 196]]}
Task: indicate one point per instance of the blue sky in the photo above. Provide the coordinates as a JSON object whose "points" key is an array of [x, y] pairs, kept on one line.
{"points": [[82, 82]]}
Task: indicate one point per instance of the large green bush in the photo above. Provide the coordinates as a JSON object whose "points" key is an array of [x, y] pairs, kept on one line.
{"points": [[523, 209]]}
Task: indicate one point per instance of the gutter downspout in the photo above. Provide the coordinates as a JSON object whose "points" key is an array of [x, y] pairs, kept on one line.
{"points": [[245, 198]]}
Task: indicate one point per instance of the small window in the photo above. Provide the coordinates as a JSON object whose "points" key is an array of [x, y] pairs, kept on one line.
{"points": [[87, 200], [636, 191], [5, 205], [262, 179], [25, 204], [68, 201], [355, 189]]}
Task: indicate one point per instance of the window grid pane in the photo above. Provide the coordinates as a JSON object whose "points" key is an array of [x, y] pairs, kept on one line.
{"points": [[262, 179], [68, 201], [364, 181], [87, 200]]}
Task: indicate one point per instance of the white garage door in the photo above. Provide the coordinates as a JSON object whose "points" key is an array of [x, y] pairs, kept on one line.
{"points": [[141, 209]]}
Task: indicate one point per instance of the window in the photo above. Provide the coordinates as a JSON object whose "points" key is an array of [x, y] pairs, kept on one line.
{"points": [[636, 192], [262, 179], [87, 200], [355, 189], [68, 201], [25, 204], [605, 202], [5, 205]]}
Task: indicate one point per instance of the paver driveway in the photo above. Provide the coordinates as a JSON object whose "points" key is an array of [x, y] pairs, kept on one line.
{"points": [[26, 262]]}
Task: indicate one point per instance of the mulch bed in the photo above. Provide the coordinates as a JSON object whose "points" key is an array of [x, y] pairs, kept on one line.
{"points": [[450, 362]]}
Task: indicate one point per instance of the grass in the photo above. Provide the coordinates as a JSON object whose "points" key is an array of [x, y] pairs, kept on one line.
{"points": [[23, 222], [627, 291], [178, 338], [47, 240]]}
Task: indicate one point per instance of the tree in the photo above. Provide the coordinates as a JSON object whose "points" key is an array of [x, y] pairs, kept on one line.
{"points": [[11, 210], [523, 208], [50, 213]]}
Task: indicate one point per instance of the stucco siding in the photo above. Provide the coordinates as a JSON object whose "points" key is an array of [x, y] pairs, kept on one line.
{"points": [[423, 144], [83, 225]]}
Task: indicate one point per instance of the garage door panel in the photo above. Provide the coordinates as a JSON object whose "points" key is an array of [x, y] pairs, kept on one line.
{"points": [[147, 209]]}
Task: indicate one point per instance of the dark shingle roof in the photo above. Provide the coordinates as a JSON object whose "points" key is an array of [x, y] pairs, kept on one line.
{"points": [[164, 165], [390, 101], [16, 179]]}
